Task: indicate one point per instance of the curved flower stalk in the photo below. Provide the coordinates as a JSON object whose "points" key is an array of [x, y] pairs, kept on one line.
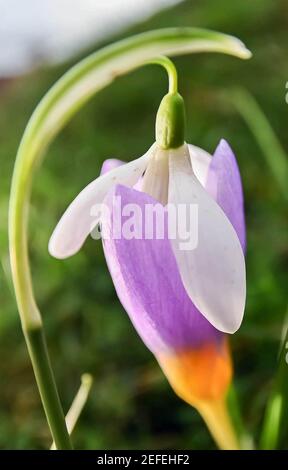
{"points": [[64, 99]]}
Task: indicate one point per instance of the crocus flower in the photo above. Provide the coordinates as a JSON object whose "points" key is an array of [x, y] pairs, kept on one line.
{"points": [[181, 302]]}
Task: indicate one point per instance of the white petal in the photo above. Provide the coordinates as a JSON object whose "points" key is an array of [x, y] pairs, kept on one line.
{"points": [[155, 180], [213, 273], [77, 222], [200, 161]]}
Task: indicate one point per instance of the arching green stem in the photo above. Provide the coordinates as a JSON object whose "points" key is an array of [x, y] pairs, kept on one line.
{"points": [[63, 100], [170, 68]]}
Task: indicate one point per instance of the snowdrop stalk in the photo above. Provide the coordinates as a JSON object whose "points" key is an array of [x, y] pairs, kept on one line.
{"points": [[61, 102]]}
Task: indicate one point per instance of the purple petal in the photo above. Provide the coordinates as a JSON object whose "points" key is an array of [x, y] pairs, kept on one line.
{"points": [[224, 185], [147, 280]]}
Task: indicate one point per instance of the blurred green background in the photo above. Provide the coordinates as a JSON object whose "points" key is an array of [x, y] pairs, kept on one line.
{"points": [[131, 404]]}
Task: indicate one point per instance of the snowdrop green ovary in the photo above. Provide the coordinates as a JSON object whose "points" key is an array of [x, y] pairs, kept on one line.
{"points": [[170, 122]]}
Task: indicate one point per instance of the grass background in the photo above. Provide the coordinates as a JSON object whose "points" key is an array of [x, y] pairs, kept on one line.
{"points": [[131, 404]]}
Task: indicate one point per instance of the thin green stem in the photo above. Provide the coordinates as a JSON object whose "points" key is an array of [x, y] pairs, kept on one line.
{"points": [[244, 438], [275, 424], [171, 70], [46, 384], [61, 102]]}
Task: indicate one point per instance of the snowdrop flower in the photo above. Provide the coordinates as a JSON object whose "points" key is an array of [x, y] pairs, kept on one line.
{"points": [[213, 273]]}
